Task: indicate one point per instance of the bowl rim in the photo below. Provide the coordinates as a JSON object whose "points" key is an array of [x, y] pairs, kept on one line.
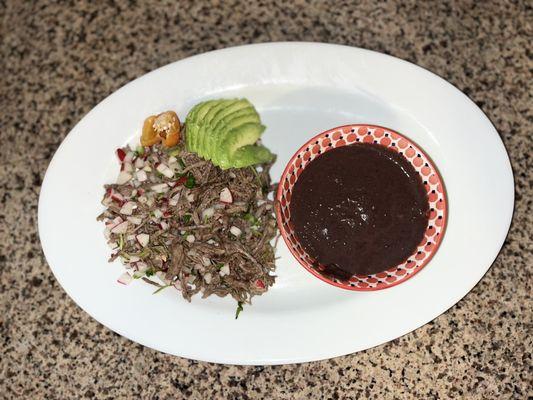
{"points": [[313, 271]]}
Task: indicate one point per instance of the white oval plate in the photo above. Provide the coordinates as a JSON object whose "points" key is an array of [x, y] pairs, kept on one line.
{"points": [[300, 89]]}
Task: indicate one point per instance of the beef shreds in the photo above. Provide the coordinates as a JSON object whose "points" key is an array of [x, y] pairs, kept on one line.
{"points": [[169, 224]]}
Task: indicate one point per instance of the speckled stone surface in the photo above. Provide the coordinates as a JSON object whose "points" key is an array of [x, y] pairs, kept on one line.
{"points": [[59, 59]]}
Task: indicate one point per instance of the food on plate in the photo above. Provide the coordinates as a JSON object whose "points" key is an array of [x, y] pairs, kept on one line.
{"points": [[359, 209], [162, 128], [175, 219], [225, 132]]}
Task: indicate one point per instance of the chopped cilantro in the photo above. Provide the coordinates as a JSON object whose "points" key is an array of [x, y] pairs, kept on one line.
{"points": [[251, 219], [150, 272], [239, 309], [190, 182], [187, 218]]}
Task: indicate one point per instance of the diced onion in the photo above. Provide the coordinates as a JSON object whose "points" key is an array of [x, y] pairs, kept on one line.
{"points": [[135, 220], [120, 228], [141, 175], [160, 188], [128, 207], [129, 156], [125, 279], [123, 177], [174, 200], [224, 270], [128, 167], [142, 266], [113, 223], [116, 196], [226, 196], [139, 163], [235, 231], [208, 212], [143, 239], [165, 170]]}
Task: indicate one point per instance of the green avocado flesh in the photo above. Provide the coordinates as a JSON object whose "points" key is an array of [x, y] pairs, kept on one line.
{"points": [[221, 134], [251, 155], [236, 138], [196, 114], [206, 127], [225, 131]]}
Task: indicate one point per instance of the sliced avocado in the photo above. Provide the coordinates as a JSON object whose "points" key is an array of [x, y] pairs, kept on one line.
{"points": [[206, 127], [191, 116], [190, 130], [230, 121], [230, 117], [189, 121], [243, 135], [225, 131], [251, 155], [237, 105], [197, 118], [220, 134]]}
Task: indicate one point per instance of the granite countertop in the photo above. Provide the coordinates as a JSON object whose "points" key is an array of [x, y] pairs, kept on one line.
{"points": [[58, 61]]}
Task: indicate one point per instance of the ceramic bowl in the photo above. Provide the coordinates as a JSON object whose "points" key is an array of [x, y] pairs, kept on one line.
{"points": [[345, 136]]}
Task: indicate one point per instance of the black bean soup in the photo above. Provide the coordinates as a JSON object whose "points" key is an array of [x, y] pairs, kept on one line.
{"points": [[359, 209]]}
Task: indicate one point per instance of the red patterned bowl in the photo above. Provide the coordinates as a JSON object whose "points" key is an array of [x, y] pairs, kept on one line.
{"points": [[345, 135]]}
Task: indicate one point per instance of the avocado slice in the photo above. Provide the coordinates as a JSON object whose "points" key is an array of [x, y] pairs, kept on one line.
{"points": [[191, 126], [190, 129], [238, 104], [191, 116], [214, 145], [225, 131], [197, 117], [227, 120], [206, 130], [251, 155], [243, 135]]}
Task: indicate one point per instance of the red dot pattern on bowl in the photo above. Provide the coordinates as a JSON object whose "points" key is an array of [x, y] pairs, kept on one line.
{"points": [[350, 134]]}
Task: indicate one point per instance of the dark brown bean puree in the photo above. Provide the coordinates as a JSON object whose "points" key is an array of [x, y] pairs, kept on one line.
{"points": [[359, 209]]}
